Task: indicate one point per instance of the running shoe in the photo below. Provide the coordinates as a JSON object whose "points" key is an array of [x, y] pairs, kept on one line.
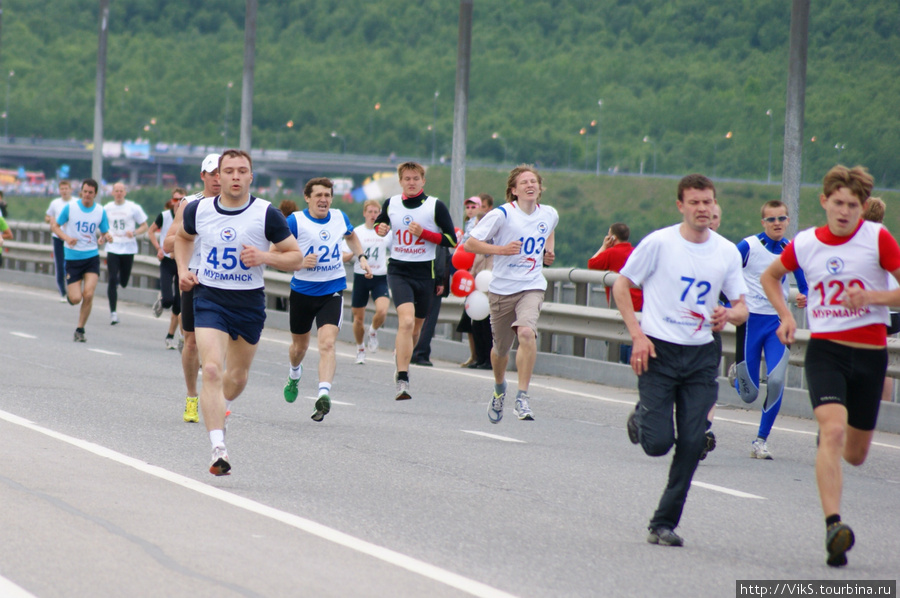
{"points": [[759, 450], [839, 539], [113, 318], [372, 340], [79, 337], [732, 374], [180, 343], [664, 537], [157, 306], [219, 464], [522, 408], [495, 407], [63, 299], [632, 426], [290, 390], [403, 391], [360, 356], [323, 406], [191, 415], [710, 445], [171, 343]]}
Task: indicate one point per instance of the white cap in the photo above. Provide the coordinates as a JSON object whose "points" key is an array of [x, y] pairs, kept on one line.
{"points": [[210, 163]]}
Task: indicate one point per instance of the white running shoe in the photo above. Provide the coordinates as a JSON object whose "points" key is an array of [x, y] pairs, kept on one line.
{"points": [[361, 356], [171, 343], [522, 408], [113, 319], [219, 464], [759, 450], [372, 340]]}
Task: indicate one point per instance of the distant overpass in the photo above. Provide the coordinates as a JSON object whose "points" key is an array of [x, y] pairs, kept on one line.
{"points": [[268, 162]]}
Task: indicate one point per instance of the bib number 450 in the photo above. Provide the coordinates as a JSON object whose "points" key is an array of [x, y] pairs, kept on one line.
{"points": [[229, 259]]}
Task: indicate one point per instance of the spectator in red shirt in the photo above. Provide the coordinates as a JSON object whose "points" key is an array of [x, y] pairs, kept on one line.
{"points": [[612, 255]]}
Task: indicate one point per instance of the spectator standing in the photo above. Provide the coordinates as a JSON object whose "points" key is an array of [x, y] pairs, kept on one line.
{"points": [[611, 256]]}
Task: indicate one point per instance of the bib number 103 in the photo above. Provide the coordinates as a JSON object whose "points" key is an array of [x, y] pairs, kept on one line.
{"points": [[229, 259], [532, 245]]}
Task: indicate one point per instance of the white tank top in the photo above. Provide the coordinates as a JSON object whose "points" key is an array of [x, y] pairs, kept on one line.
{"points": [[324, 240], [407, 247], [758, 259], [830, 269], [167, 219], [375, 248], [221, 237], [83, 226]]}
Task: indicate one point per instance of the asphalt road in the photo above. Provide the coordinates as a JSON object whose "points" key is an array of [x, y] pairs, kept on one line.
{"points": [[105, 490]]}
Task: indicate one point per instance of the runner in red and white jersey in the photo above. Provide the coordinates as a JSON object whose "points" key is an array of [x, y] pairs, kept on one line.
{"points": [[847, 264]]}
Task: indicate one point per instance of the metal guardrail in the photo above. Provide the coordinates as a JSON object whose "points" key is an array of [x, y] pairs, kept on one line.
{"points": [[32, 247]]}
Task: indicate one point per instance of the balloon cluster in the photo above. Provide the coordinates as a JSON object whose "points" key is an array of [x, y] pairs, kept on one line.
{"points": [[473, 288]]}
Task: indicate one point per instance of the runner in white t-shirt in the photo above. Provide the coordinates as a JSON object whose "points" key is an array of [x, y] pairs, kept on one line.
{"points": [[520, 236], [59, 253], [682, 269], [127, 220]]}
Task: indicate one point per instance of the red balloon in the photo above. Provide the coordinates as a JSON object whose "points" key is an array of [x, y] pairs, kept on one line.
{"points": [[462, 283], [462, 259]]}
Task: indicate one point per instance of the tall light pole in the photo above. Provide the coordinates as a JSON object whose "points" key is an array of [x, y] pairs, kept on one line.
{"points": [[653, 143], [6, 112], [599, 106], [771, 133], [343, 140], [434, 129], [227, 106]]}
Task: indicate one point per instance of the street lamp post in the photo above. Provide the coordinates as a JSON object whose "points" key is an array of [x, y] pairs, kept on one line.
{"points": [[503, 141], [599, 106], [343, 140], [434, 129], [227, 105], [653, 143], [6, 112], [771, 133]]}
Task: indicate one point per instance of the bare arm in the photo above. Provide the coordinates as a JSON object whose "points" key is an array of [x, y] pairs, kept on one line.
{"points": [[473, 245], [357, 249], [183, 248], [285, 256], [771, 284], [141, 229], [168, 243], [58, 231], [549, 247], [643, 349]]}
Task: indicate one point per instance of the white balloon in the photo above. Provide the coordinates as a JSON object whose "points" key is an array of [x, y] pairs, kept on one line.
{"points": [[477, 305], [483, 280]]}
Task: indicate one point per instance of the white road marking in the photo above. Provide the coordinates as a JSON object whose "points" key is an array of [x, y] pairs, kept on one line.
{"points": [[105, 352], [10, 590], [333, 402], [493, 436], [725, 490], [22, 334], [413, 565]]}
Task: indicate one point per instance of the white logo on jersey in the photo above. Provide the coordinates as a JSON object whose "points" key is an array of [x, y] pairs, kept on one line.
{"points": [[324, 235], [542, 227], [228, 234], [407, 219]]}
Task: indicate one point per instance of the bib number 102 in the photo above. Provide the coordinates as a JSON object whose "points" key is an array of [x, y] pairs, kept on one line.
{"points": [[229, 259]]}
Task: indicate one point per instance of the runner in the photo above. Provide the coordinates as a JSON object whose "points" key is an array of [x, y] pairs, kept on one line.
{"points": [[190, 359], [418, 224], [127, 220], [847, 263], [59, 251], [169, 293], [520, 235], [234, 232], [758, 334], [376, 250], [317, 288], [86, 228], [682, 269]]}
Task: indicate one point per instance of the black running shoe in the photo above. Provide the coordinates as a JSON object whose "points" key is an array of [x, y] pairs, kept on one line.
{"points": [[710, 445], [632, 426], [838, 540]]}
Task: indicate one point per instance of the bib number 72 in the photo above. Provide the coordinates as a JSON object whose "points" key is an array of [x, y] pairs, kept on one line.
{"points": [[703, 288]]}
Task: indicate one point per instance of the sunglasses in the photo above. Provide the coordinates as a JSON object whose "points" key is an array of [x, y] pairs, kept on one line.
{"points": [[772, 219]]}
